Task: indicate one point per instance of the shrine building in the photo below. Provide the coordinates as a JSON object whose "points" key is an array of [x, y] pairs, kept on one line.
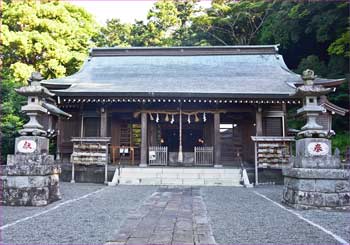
{"points": [[180, 106]]}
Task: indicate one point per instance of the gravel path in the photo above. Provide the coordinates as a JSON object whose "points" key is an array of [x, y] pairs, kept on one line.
{"points": [[87, 221], [239, 215]]}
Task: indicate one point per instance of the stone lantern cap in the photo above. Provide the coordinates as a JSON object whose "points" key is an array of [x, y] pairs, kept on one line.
{"points": [[309, 88], [35, 88]]}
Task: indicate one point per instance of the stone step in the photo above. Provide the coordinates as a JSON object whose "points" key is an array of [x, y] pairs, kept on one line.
{"points": [[177, 176], [180, 170], [182, 175], [173, 181]]}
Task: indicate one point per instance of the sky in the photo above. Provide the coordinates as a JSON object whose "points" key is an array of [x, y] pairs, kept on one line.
{"points": [[126, 11]]}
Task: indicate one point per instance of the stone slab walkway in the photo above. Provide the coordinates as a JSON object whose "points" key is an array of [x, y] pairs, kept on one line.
{"points": [[170, 215]]}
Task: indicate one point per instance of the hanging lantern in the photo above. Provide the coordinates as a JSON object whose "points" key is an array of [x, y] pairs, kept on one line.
{"points": [[157, 118], [196, 118], [189, 118], [167, 118], [151, 117], [204, 117], [172, 119]]}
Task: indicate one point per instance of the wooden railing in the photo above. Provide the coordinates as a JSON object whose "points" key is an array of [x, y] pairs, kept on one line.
{"points": [[158, 156], [203, 155]]}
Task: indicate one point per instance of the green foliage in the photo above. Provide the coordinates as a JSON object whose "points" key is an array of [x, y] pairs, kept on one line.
{"points": [[314, 63], [232, 23], [51, 37], [113, 34], [341, 46], [167, 24], [341, 141]]}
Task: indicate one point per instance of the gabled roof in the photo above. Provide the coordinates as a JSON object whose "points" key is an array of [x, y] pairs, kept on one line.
{"points": [[228, 71], [329, 106]]}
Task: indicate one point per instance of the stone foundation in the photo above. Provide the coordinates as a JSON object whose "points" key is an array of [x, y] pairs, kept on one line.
{"points": [[316, 181], [30, 179]]}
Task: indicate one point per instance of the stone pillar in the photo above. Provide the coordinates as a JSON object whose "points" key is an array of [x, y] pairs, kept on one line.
{"points": [[258, 122], [103, 124], [217, 143], [143, 161]]}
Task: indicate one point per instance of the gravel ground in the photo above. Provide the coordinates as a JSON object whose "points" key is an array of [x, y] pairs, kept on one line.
{"points": [[239, 215], [336, 222], [88, 221]]}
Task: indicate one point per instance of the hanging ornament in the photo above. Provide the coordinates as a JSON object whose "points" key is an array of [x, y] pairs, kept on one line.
{"points": [[157, 118], [167, 118], [196, 118], [151, 117], [204, 117], [189, 119], [172, 119]]}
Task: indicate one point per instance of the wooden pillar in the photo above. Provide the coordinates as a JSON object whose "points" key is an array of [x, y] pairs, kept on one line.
{"points": [[58, 139], [217, 143], [284, 123], [103, 124], [258, 122], [143, 161]]}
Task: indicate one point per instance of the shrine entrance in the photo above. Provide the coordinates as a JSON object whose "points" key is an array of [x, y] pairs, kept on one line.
{"points": [[192, 137]]}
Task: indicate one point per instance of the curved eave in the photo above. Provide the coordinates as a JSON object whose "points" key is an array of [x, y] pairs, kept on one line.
{"points": [[328, 83], [55, 86]]}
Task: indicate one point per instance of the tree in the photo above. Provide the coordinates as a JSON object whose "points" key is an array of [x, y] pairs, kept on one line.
{"points": [[232, 23], [305, 28], [50, 37], [115, 33], [167, 24]]}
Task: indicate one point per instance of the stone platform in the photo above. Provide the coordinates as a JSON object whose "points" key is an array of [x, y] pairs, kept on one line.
{"points": [[30, 179], [316, 180]]}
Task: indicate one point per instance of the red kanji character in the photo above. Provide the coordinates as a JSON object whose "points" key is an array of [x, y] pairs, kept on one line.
{"points": [[27, 145], [318, 148]]}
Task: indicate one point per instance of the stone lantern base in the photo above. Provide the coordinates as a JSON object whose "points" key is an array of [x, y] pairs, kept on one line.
{"points": [[315, 178], [30, 178]]}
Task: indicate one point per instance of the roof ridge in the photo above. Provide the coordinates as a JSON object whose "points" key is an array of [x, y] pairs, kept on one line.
{"points": [[184, 50]]}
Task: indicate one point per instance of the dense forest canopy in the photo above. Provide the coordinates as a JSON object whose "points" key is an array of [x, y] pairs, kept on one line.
{"points": [[54, 37]]}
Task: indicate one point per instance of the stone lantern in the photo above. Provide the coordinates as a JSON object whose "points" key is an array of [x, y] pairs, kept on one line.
{"points": [[31, 177], [315, 178], [311, 110]]}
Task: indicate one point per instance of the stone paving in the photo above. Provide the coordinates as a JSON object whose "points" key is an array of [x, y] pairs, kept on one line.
{"points": [[170, 216]]}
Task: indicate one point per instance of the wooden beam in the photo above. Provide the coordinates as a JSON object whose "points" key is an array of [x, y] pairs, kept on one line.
{"points": [[143, 161], [217, 143]]}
